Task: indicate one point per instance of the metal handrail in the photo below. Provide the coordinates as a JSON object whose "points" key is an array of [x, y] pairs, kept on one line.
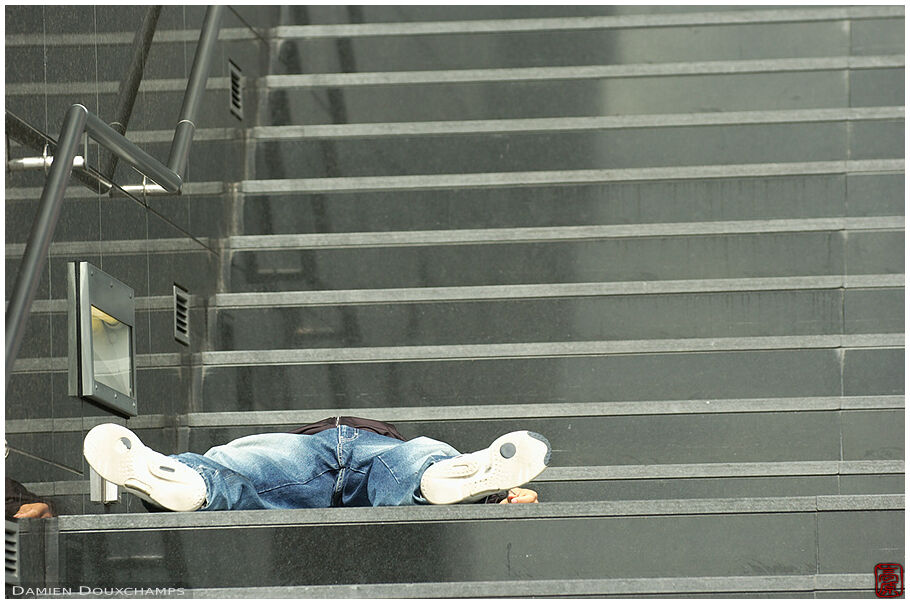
{"points": [[25, 133], [79, 121]]}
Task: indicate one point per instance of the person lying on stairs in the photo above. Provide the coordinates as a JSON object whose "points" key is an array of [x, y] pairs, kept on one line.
{"points": [[336, 462]]}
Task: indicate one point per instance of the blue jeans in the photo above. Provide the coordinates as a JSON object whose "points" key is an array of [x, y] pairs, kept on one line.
{"points": [[342, 466]]}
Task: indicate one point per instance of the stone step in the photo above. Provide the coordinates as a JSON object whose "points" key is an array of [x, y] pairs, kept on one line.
{"points": [[374, 18], [388, 97], [279, 209], [676, 316], [505, 314], [282, 420], [646, 38], [610, 18], [524, 206], [834, 63], [443, 237], [355, 184], [645, 258], [836, 444], [430, 544], [504, 93], [856, 585], [256, 134], [582, 157], [622, 483], [636, 149], [579, 41], [508, 351], [706, 375], [757, 373], [307, 241]]}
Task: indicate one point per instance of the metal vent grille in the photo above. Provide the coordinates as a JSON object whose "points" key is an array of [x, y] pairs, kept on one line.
{"points": [[12, 552], [181, 315], [236, 90]]}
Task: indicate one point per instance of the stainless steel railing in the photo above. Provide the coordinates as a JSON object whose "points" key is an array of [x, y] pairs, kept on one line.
{"points": [[79, 121]]}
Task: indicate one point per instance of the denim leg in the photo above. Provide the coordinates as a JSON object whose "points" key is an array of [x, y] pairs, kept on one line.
{"points": [[268, 471], [385, 471]]}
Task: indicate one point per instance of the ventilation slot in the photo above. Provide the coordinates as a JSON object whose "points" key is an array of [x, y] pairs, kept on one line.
{"points": [[236, 90], [12, 553], [181, 315]]}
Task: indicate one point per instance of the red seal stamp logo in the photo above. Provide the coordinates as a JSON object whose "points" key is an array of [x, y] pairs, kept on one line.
{"points": [[889, 580]]}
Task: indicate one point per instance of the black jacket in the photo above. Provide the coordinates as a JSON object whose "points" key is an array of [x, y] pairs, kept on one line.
{"points": [[17, 496]]}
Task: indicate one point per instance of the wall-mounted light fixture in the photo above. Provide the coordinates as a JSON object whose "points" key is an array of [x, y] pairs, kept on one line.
{"points": [[102, 338]]}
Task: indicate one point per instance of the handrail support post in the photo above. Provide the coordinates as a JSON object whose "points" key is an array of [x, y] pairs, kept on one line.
{"points": [[186, 123]]}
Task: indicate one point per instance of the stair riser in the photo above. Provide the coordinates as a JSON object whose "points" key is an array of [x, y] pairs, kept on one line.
{"points": [[629, 259], [661, 439], [651, 439], [708, 375], [592, 47], [487, 550], [669, 316], [582, 319], [612, 490], [616, 149], [666, 94], [629, 203], [564, 319], [509, 49], [788, 197], [879, 87], [656, 489], [637, 148]]}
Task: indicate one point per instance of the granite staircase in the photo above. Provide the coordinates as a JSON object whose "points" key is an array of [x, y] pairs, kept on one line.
{"points": [[668, 238]]}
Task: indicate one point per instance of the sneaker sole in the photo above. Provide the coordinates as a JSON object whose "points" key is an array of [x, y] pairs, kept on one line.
{"points": [[118, 456], [512, 460]]}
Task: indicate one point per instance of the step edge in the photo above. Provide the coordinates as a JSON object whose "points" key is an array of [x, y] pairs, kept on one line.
{"points": [[247, 243], [557, 587], [561, 177], [294, 418], [409, 514], [582, 474]]}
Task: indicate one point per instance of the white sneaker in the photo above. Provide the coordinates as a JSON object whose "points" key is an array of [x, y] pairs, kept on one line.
{"points": [[512, 460], [120, 457]]}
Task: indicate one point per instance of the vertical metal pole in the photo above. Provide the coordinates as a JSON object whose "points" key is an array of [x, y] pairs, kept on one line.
{"points": [[39, 240], [186, 126], [126, 96]]}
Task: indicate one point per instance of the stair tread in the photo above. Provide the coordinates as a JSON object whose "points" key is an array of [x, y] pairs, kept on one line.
{"points": [[285, 299], [297, 356], [718, 16], [479, 26], [641, 472], [552, 233], [558, 587], [517, 74], [335, 516], [298, 417], [549, 177]]}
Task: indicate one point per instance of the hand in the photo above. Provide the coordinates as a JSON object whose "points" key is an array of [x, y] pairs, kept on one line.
{"points": [[34, 510], [520, 496]]}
